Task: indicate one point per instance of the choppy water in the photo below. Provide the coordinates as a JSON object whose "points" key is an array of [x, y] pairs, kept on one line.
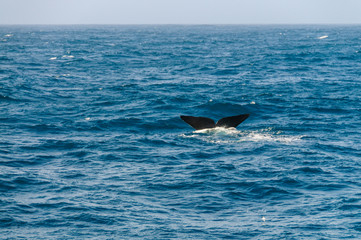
{"points": [[92, 146]]}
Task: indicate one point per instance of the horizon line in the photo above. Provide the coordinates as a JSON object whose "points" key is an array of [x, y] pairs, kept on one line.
{"points": [[179, 24]]}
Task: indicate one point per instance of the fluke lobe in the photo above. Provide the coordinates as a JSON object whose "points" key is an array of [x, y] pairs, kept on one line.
{"points": [[199, 123]]}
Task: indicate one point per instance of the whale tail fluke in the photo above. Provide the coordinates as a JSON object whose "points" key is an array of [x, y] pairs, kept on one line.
{"points": [[233, 121], [199, 123]]}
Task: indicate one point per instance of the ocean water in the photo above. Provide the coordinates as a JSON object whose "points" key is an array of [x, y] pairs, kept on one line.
{"points": [[92, 146]]}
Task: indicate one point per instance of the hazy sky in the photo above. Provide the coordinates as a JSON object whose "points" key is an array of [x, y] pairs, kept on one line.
{"points": [[179, 11]]}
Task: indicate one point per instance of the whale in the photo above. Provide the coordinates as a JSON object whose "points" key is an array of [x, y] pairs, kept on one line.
{"points": [[199, 123]]}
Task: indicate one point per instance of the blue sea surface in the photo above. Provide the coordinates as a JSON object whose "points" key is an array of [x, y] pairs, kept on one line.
{"points": [[92, 145]]}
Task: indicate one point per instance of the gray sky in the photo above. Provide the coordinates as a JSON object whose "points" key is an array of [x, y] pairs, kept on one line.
{"points": [[180, 11]]}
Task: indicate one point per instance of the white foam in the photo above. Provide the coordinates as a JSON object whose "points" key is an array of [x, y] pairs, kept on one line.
{"points": [[67, 56], [217, 130], [9, 35], [232, 135], [53, 58], [323, 37], [271, 137]]}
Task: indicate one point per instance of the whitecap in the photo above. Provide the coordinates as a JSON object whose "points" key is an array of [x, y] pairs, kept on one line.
{"points": [[323, 37], [53, 58], [67, 56]]}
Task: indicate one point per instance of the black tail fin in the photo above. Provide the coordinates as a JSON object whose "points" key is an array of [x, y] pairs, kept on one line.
{"points": [[233, 121], [199, 123]]}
